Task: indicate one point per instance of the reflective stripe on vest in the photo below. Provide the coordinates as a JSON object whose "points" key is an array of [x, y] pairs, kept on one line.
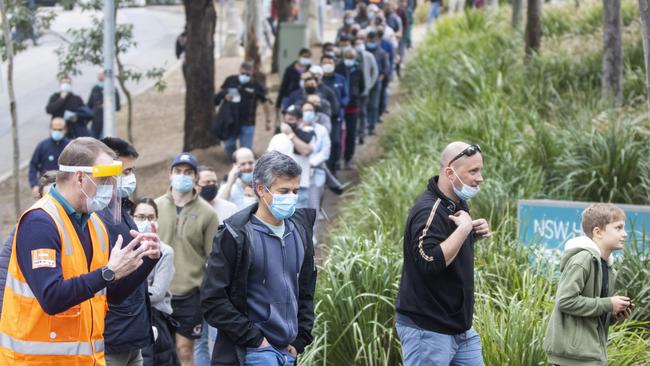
{"points": [[19, 288], [48, 348], [94, 220], [49, 206]]}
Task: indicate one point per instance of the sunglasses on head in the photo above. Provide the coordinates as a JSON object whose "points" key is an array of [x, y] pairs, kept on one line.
{"points": [[469, 151]]}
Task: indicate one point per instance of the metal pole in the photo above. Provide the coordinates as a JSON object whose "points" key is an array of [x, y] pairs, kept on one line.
{"points": [[109, 66]]}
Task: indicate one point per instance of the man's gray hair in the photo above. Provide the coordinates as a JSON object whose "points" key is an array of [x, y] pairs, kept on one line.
{"points": [[273, 165]]}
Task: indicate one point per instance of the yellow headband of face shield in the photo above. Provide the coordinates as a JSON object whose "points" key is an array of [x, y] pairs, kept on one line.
{"points": [[96, 171]]}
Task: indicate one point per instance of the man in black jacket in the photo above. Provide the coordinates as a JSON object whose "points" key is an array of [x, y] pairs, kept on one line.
{"points": [[436, 295], [96, 104], [291, 76], [128, 325], [350, 68], [259, 285], [64, 101], [244, 93]]}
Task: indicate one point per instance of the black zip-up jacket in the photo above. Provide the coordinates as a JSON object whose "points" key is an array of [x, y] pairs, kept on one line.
{"points": [[434, 296], [224, 288], [128, 324], [356, 84]]}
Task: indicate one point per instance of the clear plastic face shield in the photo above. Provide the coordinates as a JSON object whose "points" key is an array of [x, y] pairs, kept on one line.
{"points": [[101, 193]]}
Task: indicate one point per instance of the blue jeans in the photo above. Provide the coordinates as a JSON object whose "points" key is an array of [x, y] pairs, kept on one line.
{"points": [[245, 136], [202, 349], [434, 13], [268, 356], [373, 105], [422, 347]]}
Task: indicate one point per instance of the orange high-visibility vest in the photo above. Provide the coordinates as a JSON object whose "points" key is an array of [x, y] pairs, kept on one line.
{"points": [[75, 337]]}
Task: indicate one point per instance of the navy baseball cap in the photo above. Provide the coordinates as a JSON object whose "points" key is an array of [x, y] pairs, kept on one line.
{"points": [[185, 158]]}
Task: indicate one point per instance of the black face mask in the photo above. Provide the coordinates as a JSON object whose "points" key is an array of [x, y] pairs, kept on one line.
{"points": [[310, 89], [209, 192]]}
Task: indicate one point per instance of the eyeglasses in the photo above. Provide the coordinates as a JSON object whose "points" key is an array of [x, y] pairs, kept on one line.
{"points": [[144, 217], [469, 151]]}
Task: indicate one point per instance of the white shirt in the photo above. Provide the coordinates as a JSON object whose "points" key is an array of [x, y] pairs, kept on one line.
{"points": [[282, 143], [238, 196], [224, 209]]}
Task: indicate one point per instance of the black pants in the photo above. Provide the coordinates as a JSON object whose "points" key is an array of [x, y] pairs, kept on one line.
{"points": [[163, 352], [335, 152], [351, 122]]}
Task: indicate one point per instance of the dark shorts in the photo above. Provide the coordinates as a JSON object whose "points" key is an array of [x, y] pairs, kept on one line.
{"points": [[187, 312]]}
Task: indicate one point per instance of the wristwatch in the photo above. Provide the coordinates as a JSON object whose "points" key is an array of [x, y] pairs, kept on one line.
{"points": [[107, 274]]}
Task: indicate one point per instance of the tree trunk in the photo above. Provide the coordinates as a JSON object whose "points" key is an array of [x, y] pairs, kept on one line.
{"points": [[200, 18], [533, 27], [517, 7], [127, 94], [284, 15], [9, 49], [251, 45], [612, 82], [644, 8]]}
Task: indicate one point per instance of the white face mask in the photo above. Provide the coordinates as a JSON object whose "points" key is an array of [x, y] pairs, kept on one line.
{"points": [[466, 193], [102, 198], [144, 226], [328, 68]]}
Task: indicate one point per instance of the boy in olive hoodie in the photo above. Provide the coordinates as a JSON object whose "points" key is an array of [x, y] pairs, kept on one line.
{"points": [[585, 304]]}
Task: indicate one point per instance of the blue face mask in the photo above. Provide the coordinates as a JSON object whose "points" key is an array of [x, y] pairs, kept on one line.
{"points": [[349, 62], [57, 135], [360, 47], [467, 192], [371, 46], [246, 177], [308, 116], [243, 78], [182, 183], [102, 198], [349, 21], [283, 205], [126, 186]]}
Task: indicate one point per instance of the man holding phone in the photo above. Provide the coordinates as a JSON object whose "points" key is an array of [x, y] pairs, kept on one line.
{"points": [[238, 187], [436, 296]]}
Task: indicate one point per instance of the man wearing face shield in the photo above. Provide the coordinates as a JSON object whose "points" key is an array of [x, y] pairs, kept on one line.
{"points": [[259, 285], [60, 268], [128, 325], [436, 295]]}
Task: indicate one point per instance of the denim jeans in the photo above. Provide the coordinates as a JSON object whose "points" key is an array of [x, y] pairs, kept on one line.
{"points": [[373, 105], [268, 356], [203, 346], [422, 347], [434, 13], [245, 136], [132, 358]]}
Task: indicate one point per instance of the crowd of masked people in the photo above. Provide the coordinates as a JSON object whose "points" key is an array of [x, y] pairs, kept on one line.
{"points": [[253, 304]]}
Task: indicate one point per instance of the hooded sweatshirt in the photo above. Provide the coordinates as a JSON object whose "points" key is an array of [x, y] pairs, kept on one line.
{"points": [[577, 330]]}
